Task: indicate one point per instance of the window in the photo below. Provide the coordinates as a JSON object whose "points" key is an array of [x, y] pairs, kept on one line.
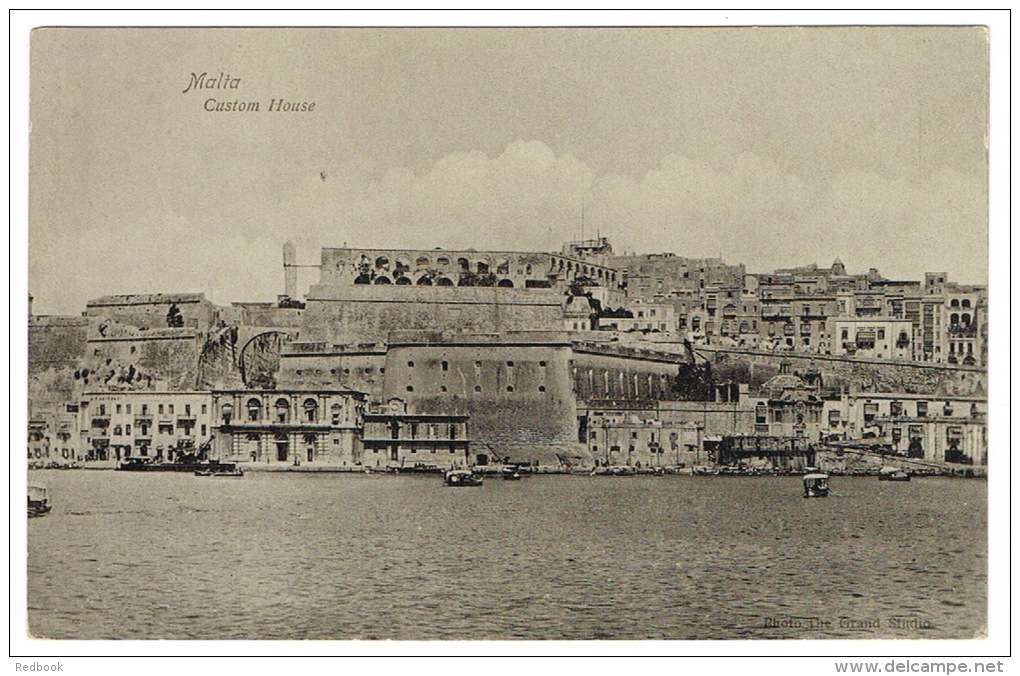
{"points": [[478, 388], [203, 430], [870, 411], [102, 409], [282, 411], [311, 408], [203, 409], [128, 409], [118, 408], [410, 388], [127, 430], [541, 388], [171, 409], [187, 409], [446, 366], [509, 388], [922, 409], [410, 364], [161, 409], [542, 364]]}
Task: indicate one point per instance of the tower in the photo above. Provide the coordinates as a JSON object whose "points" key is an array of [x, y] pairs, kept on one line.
{"points": [[289, 270]]}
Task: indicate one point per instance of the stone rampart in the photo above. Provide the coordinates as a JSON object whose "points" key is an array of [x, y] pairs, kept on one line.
{"points": [[864, 375], [369, 313]]}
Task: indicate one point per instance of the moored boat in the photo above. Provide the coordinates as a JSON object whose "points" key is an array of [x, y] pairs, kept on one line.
{"points": [[141, 465], [416, 468], [511, 474], [615, 470], [893, 474], [462, 477], [220, 472]]}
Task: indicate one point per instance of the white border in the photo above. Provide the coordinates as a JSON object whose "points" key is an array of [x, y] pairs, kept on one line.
{"points": [[1000, 523]]}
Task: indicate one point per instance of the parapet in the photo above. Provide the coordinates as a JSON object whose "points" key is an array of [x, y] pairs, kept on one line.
{"points": [[409, 337]]}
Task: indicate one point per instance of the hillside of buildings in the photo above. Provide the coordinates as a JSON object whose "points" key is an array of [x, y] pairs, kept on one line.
{"points": [[455, 357]]}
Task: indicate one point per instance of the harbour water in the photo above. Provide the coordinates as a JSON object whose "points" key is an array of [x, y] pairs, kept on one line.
{"points": [[328, 556]]}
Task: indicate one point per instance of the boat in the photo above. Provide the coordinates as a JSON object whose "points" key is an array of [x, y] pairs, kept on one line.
{"points": [[220, 472], [462, 477], [416, 468], [893, 474], [816, 485], [142, 465], [38, 501], [614, 470], [511, 474]]}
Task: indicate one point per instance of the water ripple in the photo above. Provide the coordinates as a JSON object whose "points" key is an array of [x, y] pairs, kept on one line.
{"points": [[338, 557]]}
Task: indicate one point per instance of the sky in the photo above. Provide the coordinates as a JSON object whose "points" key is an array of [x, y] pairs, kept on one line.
{"points": [[771, 147]]}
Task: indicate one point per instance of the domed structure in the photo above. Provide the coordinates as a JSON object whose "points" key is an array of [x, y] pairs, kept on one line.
{"points": [[776, 385]]}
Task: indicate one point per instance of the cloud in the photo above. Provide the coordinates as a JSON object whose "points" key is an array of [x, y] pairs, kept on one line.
{"points": [[745, 208]]}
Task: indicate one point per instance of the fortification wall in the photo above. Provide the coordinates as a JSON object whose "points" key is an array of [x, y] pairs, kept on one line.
{"points": [[515, 393], [369, 313], [315, 365], [150, 310], [56, 346], [622, 373], [864, 375], [264, 315], [166, 359], [56, 342]]}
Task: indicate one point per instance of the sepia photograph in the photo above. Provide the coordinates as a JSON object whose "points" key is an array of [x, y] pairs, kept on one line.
{"points": [[548, 333]]}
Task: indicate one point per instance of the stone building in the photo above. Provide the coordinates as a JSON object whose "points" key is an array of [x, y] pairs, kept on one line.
{"points": [[942, 429], [787, 406], [628, 438], [395, 438], [514, 386], [877, 337], [53, 436], [646, 317], [283, 428], [157, 425]]}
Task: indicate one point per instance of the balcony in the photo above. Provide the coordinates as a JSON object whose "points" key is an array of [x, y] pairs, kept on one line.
{"points": [[969, 331], [409, 441]]}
